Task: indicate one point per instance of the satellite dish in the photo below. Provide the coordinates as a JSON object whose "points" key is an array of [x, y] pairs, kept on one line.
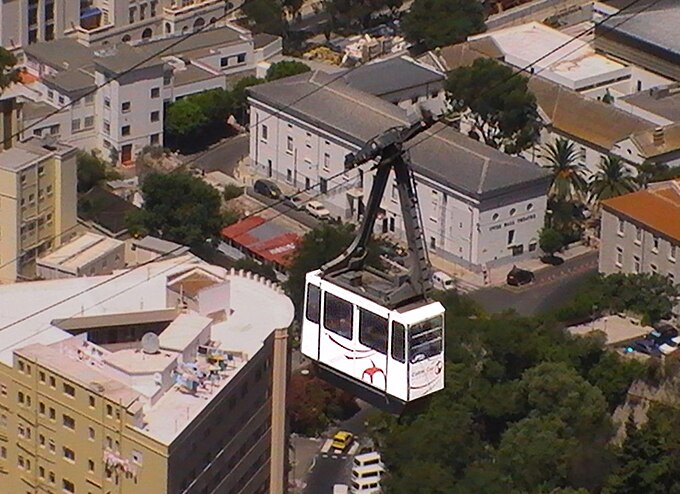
{"points": [[150, 343]]}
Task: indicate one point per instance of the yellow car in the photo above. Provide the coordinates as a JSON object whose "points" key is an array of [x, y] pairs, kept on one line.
{"points": [[342, 440]]}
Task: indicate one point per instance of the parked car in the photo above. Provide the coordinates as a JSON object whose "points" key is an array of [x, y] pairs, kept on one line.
{"points": [[442, 281], [647, 347], [518, 276], [267, 188], [294, 202], [318, 210], [670, 346], [342, 440]]}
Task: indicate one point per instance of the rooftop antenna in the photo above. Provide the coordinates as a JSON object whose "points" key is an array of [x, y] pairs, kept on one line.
{"points": [[150, 343]]}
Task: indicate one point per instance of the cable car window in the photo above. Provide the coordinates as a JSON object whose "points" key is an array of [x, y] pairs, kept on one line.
{"points": [[337, 315], [313, 303], [373, 331], [425, 339], [398, 342]]}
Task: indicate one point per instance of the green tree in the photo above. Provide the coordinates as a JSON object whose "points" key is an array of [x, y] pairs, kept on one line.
{"points": [[563, 161], [612, 179], [286, 68], [506, 116], [356, 13], [650, 171], [216, 104], [437, 23], [9, 74], [240, 96], [613, 375], [648, 459], [178, 207], [184, 120], [265, 16], [91, 170], [550, 241], [317, 247]]}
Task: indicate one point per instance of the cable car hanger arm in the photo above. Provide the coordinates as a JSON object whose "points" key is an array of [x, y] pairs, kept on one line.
{"points": [[387, 149]]}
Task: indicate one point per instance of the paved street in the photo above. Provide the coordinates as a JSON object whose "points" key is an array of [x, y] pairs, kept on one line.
{"points": [[553, 286], [300, 216], [223, 156]]}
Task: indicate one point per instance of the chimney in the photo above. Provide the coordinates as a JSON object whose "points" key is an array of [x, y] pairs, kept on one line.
{"points": [[7, 122], [658, 136]]}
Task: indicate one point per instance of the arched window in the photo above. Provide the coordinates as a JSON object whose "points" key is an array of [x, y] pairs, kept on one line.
{"points": [[147, 33], [126, 38], [213, 20], [199, 23], [168, 28]]}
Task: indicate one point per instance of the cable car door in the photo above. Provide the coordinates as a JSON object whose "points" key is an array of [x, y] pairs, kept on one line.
{"points": [[336, 342], [426, 357], [371, 349]]}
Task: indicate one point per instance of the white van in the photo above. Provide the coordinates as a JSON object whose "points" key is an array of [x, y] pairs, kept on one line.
{"points": [[367, 459], [442, 281], [369, 472], [367, 486]]}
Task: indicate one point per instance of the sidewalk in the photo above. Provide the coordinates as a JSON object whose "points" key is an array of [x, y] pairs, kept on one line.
{"points": [[469, 280]]}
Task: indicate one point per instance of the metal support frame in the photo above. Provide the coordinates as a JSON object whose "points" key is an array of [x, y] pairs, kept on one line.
{"points": [[388, 150]]}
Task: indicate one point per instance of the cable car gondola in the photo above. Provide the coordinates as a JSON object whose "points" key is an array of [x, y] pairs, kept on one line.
{"points": [[376, 335]]}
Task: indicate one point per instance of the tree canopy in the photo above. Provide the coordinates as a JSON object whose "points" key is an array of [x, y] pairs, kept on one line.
{"points": [[550, 241], [8, 73], [502, 110], [286, 68], [92, 170], [436, 23], [178, 207], [568, 172], [265, 16], [613, 178]]}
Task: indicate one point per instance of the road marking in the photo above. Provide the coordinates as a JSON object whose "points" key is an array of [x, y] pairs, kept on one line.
{"points": [[324, 455], [334, 457], [327, 446]]}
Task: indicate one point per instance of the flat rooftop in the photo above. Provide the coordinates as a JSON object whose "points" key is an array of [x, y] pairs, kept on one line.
{"points": [[576, 65], [80, 252], [26, 327], [662, 101], [617, 329], [20, 155]]}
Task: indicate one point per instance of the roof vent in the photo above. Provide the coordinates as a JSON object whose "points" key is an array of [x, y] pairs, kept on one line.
{"points": [[49, 142]]}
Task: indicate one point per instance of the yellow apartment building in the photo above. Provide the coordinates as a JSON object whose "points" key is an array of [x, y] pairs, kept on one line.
{"points": [[165, 379], [38, 202]]}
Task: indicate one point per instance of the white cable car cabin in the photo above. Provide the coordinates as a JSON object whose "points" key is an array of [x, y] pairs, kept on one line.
{"points": [[370, 333]]}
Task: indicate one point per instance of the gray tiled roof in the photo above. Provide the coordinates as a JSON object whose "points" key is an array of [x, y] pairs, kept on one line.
{"points": [[123, 57], [64, 53], [72, 82], [663, 102], [263, 39], [392, 75], [448, 157], [657, 25]]}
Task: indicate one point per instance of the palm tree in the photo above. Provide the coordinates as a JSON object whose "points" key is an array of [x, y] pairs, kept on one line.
{"points": [[568, 182], [611, 180]]}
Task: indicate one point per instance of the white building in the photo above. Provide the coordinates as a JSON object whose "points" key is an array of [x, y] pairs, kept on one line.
{"points": [[576, 65], [640, 232], [104, 22], [479, 206], [126, 114]]}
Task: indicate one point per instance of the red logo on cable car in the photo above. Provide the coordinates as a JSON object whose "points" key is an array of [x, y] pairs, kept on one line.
{"points": [[371, 371]]}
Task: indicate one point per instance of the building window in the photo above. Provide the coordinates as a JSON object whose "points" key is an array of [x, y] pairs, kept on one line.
{"points": [[109, 411], [107, 103], [125, 107], [41, 472], [91, 398], [638, 235], [90, 433], [511, 237], [88, 122], [131, 15], [265, 133], [289, 144], [655, 244], [137, 457], [125, 130], [513, 211], [241, 58], [90, 466], [69, 390], [61, 100], [671, 253], [155, 139], [224, 61], [52, 446], [323, 185], [20, 397], [621, 226], [107, 128], [41, 408], [68, 486], [89, 99], [69, 454], [619, 257], [636, 264], [155, 92], [326, 161], [671, 278], [155, 116], [653, 268], [53, 414], [433, 243], [41, 172], [75, 125], [53, 381], [69, 422], [52, 478]]}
